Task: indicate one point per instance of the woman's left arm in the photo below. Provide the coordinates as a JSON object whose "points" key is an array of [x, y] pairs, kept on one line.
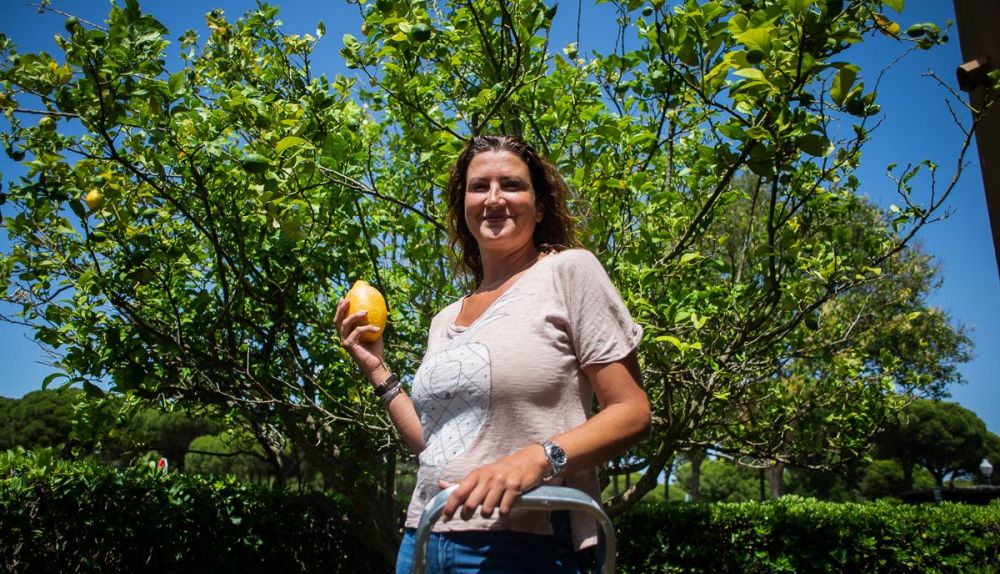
{"points": [[623, 419]]}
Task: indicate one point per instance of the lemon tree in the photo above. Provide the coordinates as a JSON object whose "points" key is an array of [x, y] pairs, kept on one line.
{"points": [[206, 220]]}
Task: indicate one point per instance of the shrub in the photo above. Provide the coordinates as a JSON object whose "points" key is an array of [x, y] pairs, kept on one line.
{"points": [[60, 516], [794, 534], [251, 466]]}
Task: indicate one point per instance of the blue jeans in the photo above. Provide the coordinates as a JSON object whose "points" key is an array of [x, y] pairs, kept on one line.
{"points": [[490, 552]]}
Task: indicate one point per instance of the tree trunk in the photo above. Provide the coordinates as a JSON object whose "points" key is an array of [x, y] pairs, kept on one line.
{"points": [[907, 475], [378, 529], [370, 499], [694, 489], [939, 479], [775, 476], [667, 472], [614, 480]]}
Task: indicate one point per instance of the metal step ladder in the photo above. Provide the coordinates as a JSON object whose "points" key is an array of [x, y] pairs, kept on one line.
{"points": [[541, 498]]}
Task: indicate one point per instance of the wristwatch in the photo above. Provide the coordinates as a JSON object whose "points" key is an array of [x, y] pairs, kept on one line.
{"points": [[556, 457]]}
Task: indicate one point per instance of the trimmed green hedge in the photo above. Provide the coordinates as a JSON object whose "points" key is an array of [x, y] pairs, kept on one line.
{"points": [[57, 516], [795, 534]]}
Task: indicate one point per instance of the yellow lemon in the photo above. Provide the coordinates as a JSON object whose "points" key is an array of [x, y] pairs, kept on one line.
{"points": [[364, 297], [94, 199]]}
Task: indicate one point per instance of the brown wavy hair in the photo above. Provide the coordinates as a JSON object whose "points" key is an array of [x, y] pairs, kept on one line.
{"points": [[556, 231]]}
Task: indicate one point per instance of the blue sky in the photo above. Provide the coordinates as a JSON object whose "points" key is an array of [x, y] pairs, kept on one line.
{"points": [[917, 126]]}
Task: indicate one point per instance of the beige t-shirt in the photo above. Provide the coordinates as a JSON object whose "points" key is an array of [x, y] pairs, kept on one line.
{"points": [[514, 378]]}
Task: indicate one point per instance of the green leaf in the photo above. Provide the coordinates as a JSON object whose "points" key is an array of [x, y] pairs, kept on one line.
{"points": [[758, 133], [175, 82], [92, 390], [756, 39], [815, 144], [896, 5], [687, 257], [738, 24], [48, 380], [752, 74], [320, 29], [290, 141], [797, 7], [293, 230], [132, 11], [842, 83], [77, 206], [672, 340]]}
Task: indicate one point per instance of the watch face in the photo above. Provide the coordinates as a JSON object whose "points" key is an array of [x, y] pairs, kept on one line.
{"points": [[558, 454]]}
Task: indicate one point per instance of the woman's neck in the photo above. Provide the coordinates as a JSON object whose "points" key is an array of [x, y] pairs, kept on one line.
{"points": [[499, 267]]}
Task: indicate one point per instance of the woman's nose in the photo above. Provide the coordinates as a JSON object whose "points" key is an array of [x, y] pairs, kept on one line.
{"points": [[495, 195]]}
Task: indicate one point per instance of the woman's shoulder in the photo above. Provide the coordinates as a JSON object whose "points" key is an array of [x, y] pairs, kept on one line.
{"points": [[574, 261], [449, 312]]}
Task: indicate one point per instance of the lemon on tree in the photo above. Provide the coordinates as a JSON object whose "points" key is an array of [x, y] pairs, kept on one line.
{"points": [[94, 199], [420, 32], [364, 297], [255, 163], [47, 123]]}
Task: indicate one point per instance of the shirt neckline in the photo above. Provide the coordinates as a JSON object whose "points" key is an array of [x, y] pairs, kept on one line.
{"points": [[452, 326]]}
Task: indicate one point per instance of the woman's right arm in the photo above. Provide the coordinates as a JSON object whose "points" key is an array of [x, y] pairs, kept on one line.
{"points": [[369, 356]]}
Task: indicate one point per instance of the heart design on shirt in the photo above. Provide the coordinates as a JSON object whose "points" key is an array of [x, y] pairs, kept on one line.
{"points": [[451, 391]]}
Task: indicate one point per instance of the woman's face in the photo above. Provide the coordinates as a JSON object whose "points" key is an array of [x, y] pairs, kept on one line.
{"points": [[501, 209]]}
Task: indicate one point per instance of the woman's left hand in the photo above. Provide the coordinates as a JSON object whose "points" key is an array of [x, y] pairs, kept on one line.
{"points": [[497, 485]]}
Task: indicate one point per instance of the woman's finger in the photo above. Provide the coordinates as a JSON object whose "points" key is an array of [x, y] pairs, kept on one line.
{"points": [[490, 501], [508, 501], [457, 498], [474, 500], [350, 324], [338, 316], [354, 338]]}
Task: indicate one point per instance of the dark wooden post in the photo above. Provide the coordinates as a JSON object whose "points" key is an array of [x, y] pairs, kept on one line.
{"points": [[979, 36]]}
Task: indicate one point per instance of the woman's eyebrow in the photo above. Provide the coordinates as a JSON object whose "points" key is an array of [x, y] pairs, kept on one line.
{"points": [[504, 180], [514, 180]]}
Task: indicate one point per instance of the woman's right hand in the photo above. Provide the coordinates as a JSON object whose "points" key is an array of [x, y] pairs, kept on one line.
{"points": [[368, 356]]}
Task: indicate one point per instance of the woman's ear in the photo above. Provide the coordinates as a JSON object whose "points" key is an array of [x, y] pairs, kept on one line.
{"points": [[539, 211]]}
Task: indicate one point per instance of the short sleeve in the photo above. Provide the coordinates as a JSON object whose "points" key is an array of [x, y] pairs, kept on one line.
{"points": [[599, 324]]}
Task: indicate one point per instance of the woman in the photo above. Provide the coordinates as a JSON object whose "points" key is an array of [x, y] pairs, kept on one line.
{"points": [[500, 402]]}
